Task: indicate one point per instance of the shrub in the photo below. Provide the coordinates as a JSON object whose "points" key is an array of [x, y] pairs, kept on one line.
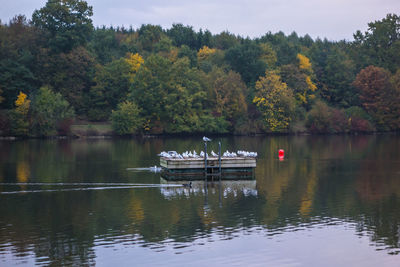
{"points": [[318, 118], [324, 119], [338, 121], [358, 124], [49, 110], [126, 119], [64, 126], [359, 120]]}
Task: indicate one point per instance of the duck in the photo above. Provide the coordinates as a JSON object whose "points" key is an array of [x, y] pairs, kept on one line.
{"points": [[189, 185]]}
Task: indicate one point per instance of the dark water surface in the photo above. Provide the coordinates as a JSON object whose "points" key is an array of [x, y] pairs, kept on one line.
{"points": [[333, 201]]}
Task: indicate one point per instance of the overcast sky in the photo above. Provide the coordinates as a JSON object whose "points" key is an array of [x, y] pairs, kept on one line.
{"points": [[333, 19]]}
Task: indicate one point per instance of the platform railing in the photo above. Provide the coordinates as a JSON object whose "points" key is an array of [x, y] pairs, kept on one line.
{"points": [[206, 167]]}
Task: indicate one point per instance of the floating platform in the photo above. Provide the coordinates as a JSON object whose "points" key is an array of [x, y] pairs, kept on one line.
{"points": [[194, 168]]}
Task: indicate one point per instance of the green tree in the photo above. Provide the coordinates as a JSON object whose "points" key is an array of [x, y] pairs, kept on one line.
{"points": [[268, 55], [106, 45], [204, 38], [286, 48], [225, 40], [164, 45], [149, 36], [380, 44], [19, 42], [112, 83], [49, 111], [336, 77], [126, 118], [185, 51], [275, 101], [183, 35], [230, 97], [70, 74], [67, 23], [172, 96], [246, 60]]}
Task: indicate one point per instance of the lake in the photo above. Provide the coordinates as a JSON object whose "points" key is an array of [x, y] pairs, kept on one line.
{"points": [[333, 201]]}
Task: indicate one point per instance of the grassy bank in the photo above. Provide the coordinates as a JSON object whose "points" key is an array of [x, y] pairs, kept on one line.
{"points": [[91, 129]]}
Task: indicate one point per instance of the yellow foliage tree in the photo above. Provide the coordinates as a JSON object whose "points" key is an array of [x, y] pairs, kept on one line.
{"points": [[204, 52], [22, 104], [304, 62], [134, 61], [308, 92], [19, 116], [275, 101], [310, 84]]}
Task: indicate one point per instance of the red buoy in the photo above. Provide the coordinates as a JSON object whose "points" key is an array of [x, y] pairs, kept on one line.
{"points": [[281, 154]]}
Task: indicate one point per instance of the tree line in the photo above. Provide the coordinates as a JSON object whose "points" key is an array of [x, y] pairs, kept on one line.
{"points": [[56, 67]]}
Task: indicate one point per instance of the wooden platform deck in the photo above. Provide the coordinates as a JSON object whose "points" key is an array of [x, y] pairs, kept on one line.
{"points": [[194, 169], [198, 163]]}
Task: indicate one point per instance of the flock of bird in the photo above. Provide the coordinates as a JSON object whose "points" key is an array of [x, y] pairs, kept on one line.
{"points": [[194, 155], [190, 154]]}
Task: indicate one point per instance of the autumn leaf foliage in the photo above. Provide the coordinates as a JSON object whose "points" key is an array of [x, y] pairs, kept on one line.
{"points": [[379, 97], [275, 101]]}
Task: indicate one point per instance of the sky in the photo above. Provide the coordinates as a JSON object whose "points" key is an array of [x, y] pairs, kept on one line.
{"points": [[332, 19]]}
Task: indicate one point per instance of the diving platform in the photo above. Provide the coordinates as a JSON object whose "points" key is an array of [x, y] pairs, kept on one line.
{"points": [[226, 168]]}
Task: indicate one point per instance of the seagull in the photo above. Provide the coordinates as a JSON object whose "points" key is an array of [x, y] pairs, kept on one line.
{"points": [[226, 154], [164, 154], [206, 139], [213, 154], [202, 154]]}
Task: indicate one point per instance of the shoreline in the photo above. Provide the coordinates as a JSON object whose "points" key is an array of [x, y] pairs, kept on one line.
{"points": [[145, 136]]}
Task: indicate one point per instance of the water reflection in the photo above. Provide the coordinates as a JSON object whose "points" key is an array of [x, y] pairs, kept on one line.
{"points": [[349, 185]]}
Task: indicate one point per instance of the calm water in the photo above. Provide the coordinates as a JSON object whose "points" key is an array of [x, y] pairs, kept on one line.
{"points": [[333, 201]]}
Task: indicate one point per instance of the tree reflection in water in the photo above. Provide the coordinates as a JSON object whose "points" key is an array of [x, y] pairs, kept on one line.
{"points": [[322, 181]]}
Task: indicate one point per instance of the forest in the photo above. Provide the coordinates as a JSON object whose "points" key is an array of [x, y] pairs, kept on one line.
{"points": [[57, 68]]}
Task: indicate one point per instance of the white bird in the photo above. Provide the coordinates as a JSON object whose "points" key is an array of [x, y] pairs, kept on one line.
{"points": [[247, 154], [202, 154], [155, 169], [253, 154], [213, 154], [206, 139], [164, 154]]}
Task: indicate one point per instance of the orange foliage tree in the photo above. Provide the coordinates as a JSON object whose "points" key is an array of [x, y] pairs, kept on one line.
{"points": [[379, 97]]}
